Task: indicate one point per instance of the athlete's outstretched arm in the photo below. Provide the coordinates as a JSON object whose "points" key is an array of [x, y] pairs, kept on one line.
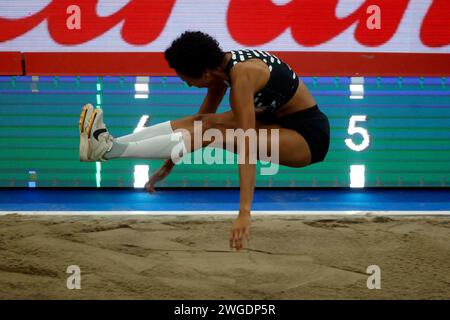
{"points": [[242, 105]]}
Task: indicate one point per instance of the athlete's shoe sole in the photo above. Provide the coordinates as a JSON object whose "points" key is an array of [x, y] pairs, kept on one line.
{"points": [[87, 117]]}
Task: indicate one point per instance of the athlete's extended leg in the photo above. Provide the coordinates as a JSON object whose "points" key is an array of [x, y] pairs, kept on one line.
{"points": [[161, 141], [292, 147]]}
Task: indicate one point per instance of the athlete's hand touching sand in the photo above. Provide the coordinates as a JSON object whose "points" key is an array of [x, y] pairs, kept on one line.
{"points": [[240, 230], [159, 175]]}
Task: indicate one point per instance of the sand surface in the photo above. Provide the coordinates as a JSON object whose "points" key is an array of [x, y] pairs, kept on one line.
{"points": [[182, 257]]}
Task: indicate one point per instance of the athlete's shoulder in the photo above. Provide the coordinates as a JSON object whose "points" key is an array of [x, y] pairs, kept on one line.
{"points": [[241, 70], [248, 74]]}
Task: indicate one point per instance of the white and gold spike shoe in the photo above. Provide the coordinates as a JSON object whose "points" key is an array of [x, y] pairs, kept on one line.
{"points": [[95, 139]]}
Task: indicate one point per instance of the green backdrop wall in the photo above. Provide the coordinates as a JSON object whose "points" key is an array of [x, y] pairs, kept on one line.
{"points": [[407, 124]]}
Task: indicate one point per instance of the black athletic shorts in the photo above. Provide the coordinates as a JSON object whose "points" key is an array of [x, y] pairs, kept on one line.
{"points": [[312, 124]]}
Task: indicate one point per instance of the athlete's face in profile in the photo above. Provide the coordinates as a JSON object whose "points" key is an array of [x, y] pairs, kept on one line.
{"points": [[202, 82]]}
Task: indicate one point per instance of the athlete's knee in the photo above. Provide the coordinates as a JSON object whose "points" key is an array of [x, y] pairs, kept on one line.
{"points": [[295, 157], [301, 159]]}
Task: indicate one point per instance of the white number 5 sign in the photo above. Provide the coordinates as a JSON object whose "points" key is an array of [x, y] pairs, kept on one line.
{"points": [[354, 129]]}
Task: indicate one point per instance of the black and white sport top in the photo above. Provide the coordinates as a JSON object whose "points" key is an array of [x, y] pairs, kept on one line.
{"points": [[282, 83]]}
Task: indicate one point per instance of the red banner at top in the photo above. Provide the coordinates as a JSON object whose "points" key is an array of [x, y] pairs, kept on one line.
{"points": [[379, 25]]}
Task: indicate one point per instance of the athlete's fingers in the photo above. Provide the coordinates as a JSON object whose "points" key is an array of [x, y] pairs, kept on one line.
{"points": [[232, 239], [239, 237], [247, 234], [239, 240], [240, 245]]}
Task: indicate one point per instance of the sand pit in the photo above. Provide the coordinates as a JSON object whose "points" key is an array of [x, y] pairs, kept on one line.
{"points": [[186, 257]]}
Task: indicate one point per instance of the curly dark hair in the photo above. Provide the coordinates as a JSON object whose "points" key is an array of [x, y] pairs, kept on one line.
{"points": [[193, 52]]}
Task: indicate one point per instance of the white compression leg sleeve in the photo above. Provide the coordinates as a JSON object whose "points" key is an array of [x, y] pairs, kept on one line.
{"points": [[158, 129], [159, 147]]}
